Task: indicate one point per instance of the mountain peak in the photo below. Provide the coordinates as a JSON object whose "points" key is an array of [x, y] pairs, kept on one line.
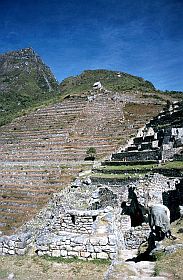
{"points": [[24, 80]]}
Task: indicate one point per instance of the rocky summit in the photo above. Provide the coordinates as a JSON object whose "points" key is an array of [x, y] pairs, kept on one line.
{"points": [[25, 66], [24, 81]]}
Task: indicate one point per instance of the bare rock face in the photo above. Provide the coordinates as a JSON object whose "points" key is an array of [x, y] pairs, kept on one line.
{"points": [[22, 69]]}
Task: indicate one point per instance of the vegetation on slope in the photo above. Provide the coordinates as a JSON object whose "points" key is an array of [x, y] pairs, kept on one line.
{"points": [[25, 82], [172, 264], [111, 80], [34, 267]]}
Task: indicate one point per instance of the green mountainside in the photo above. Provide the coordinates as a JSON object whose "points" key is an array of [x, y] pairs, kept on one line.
{"points": [[25, 81], [112, 80]]}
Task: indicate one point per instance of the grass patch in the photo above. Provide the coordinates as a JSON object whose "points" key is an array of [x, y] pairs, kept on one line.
{"points": [[75, 260], [34, 267], [173, 164], [171, 263], [130, 167], [109, 79], [117, 176], [3, 273]]}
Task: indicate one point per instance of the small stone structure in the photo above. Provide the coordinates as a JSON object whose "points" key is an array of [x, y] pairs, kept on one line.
{"points": [[83, 234], [97, 85]]}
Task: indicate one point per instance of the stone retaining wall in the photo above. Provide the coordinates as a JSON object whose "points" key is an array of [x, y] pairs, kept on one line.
{"points": [[15, 244], [81, 246]]}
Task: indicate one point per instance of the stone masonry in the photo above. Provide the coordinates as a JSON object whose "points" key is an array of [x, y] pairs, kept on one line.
{"points": [[70, 226]]}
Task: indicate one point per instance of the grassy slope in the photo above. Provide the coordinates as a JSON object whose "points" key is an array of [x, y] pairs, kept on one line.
{"points": [[172, 263], [31, 268], [25, 91], [109, 80]]}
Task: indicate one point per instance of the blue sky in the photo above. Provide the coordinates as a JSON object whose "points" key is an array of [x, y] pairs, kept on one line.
{"points": [[140, 37]]}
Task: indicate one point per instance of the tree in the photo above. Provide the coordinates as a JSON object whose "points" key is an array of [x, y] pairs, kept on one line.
{"points": [[90, 153]]}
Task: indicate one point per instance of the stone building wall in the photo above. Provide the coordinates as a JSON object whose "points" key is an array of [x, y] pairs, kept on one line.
{"points": [[92, 234], [136, 236], [76, 221], [82, 246]]}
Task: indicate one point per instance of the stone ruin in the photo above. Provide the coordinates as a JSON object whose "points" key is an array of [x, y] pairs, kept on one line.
{"points": [[97, 86], [86, 220]]}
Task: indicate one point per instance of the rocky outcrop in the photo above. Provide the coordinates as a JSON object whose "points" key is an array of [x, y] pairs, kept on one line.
{"points": [[23, 68]]}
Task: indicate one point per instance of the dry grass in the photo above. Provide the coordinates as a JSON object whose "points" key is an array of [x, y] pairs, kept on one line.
{"points": [[172, 263], [32, 268]]}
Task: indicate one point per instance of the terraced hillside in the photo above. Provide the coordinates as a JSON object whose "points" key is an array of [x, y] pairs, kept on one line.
{"points": [[157, 148], [42, 152]]}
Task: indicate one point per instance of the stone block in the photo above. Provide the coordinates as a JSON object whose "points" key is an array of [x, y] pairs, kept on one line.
{"points": [[102, 255], [97, 249], [59, 243], [90, 248], [21, 245], [63, 253], [110, 249], [79, 248], [80, 240], [94, 240], [12, 243], [85, 254], [53, 246], [40, 253], [68, 248], [103, 240], [73, 254], [43, 248], [20, 252], [112, 239], [67, 242], [56, 253], [11, 252], [5, 250]]}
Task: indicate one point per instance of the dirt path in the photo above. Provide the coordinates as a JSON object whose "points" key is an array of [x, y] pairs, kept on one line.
{"points": [[121, 269]]}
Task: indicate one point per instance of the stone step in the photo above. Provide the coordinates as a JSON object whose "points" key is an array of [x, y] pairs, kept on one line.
{"points": [[128, 163], [122, 171], [138, 155], [114, 180]]}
